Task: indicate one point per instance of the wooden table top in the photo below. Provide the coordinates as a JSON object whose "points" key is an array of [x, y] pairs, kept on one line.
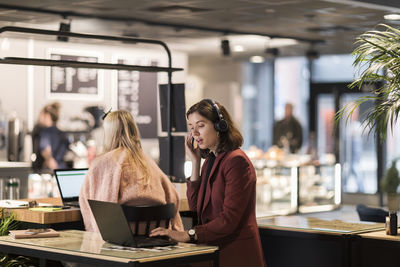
{"points": [[91, 245]]}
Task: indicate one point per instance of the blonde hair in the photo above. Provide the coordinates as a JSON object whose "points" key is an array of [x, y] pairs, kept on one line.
{"points": [[120, 131]]}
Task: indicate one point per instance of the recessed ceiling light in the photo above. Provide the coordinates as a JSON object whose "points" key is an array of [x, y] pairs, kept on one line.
{"points": [[238, 48], [257, 59], [392, 17]]}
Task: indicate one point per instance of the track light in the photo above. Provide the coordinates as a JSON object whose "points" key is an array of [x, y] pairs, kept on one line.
{"points": [[312, 54], [226, 50], [272, 51], [65, 26]]}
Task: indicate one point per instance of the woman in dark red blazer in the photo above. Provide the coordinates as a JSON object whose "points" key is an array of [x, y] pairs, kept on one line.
{"points": [[224, 193]]}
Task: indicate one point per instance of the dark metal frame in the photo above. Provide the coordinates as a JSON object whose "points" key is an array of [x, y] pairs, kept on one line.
{"points": [[77, 64]]}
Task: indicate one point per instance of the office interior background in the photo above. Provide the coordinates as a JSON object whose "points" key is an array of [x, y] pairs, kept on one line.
{"points": [[252, 56]]}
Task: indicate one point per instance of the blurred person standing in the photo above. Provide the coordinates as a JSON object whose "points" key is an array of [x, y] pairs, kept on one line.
{"points": [[49, 143], [288, 133]]}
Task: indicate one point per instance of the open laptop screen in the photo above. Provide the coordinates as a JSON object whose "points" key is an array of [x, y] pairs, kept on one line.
{"points": [[69, 182]]}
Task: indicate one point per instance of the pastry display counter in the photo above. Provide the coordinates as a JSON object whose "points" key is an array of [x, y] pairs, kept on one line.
{"points": [[296, 188]]}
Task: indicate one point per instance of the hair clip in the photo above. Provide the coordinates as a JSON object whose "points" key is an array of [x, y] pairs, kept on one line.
{"points": [[105, 114]]}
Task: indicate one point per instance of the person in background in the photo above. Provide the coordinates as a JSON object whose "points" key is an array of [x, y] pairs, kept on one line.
{"points": [[288, 133], [49, 143], [124, 173], [222, 191]]}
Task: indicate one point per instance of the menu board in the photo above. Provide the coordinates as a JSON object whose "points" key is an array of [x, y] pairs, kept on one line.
{"points": [[70, 81], [137, 93]]}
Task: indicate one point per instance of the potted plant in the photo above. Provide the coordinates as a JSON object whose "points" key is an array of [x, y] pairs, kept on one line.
{"points": [[389, 185], [7, 223], [378, 57], [378, 54]]}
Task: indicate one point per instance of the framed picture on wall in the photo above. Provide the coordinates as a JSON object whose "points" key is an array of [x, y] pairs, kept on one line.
{"points": [[136, 92], [74, 83]]}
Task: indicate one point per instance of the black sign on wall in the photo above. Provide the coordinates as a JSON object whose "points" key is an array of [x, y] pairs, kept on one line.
{"points": [[137, 93], [74, 80]]}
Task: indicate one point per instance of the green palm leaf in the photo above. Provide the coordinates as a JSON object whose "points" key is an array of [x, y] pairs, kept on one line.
{"points": [[378, 54]]}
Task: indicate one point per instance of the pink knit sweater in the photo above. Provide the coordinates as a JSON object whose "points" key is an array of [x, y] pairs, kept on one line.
{"points": [[111, 178]]}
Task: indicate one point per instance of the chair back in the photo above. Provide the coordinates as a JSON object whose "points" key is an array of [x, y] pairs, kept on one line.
{"points": [[371, 214], [145, 218]]}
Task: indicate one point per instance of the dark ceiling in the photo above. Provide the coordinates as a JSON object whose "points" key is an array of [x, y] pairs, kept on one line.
{"points": [[328, 26]]}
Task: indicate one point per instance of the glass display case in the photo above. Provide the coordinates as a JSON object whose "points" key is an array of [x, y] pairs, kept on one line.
{"points": [[296, 188]]}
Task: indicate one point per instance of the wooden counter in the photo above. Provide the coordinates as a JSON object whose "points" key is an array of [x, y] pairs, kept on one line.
{"points": [[59, 216], [47, 217], [184, 205]]}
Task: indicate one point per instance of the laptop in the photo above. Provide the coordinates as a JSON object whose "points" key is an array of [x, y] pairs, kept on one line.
{"points": [[114, 227], [69, 182]]}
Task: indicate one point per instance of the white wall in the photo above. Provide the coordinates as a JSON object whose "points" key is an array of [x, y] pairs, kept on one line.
{"points": [[217, 78]]}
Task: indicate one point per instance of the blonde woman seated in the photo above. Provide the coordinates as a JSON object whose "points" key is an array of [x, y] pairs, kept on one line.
{"points": [[124, 174]]}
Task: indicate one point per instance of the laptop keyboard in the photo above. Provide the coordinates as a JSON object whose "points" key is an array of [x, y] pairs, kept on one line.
{"points": [[72, 204], [146, 242]]}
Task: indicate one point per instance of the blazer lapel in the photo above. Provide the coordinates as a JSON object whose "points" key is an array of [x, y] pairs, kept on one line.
{"points": [[207, 197]]}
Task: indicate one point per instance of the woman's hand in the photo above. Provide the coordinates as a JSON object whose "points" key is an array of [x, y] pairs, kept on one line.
{"points": [[193, 151], [178, 236], [195, 156]]}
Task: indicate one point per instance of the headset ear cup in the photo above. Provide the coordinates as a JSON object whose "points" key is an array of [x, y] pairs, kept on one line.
{"points": [[221, 126]]}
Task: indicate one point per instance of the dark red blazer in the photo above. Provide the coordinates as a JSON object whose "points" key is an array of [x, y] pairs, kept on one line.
{"points": [[228, 217]]}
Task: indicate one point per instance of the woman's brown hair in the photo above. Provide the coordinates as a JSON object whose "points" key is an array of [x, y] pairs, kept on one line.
{"points": [[53, 110], [229, 140]]}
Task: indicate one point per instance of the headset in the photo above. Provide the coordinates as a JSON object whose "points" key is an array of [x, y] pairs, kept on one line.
{"points": [[220, 125]]}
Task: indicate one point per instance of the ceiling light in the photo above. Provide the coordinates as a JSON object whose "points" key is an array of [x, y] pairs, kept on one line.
{"points": [[257, 59], [392, 17], [226, 50], [65, 26], [5, 44], [272, 51], [312, 54], [238, 48]]}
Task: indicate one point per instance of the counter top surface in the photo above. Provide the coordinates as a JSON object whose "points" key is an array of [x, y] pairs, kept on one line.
{"points": [[381, 235], [312, 224], [74, 241], [13, 164]]}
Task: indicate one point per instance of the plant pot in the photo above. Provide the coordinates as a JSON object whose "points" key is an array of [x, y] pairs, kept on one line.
{"points": [[393, 202]]}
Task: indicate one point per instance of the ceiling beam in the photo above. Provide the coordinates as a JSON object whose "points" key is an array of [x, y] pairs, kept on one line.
{"points": [[69, 14]]}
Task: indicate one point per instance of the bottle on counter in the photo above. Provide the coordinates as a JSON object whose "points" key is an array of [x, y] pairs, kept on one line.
{"points": [[12, 188], [391, 223]]}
